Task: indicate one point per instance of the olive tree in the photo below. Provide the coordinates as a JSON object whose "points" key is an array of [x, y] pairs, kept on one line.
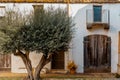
{"points": [[47, 32]]}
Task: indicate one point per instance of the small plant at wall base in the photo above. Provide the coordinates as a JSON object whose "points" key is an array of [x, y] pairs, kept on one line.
{"points": [[117, 75], [72, 67]]}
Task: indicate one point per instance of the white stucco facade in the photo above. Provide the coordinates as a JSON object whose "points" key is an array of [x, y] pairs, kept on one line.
{"points": [[76, 53], [82, 31]]}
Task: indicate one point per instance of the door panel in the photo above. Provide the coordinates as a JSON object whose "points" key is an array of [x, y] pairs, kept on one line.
{"points": [[97, 53], [5, 62], [58, 60]]}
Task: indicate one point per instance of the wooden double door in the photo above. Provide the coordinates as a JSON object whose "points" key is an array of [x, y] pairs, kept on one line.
{"points": [[97, 54], [5, 62]]}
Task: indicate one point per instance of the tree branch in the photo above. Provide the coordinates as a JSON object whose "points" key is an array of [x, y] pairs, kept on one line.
{"points": [[27, 62], [27, 54], [49, 58], [18, 53]]}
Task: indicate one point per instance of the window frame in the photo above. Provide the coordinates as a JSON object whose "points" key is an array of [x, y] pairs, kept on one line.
{"points": [[93, 13]]}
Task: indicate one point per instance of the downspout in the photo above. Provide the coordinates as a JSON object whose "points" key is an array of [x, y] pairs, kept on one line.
{"points": [[68, 6], [70, 52]]}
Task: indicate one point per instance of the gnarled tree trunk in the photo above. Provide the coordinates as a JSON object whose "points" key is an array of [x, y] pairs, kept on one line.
{"points": [[44, 60], [25, 57], [27, 62]]}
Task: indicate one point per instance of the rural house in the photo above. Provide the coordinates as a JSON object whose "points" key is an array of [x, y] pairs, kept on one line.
{"points": [[95, 46]]}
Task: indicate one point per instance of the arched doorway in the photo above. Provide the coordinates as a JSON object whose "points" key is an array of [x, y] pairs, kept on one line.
{"points": [[97, 54]]}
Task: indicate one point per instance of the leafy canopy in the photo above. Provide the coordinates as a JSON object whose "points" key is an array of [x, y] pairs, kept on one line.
{"points": [[48, 31], [9, 25]]}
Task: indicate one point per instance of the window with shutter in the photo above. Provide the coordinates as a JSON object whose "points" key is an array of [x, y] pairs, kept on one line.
{"points": [[97, 13]]}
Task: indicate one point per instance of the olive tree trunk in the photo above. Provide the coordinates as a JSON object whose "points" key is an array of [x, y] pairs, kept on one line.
{"points": [[25, 57], [27, 62], [44, 60]]}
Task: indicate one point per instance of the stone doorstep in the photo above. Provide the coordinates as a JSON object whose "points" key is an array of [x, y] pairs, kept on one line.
{"points": [[56, 71], [5, 69], [80, 75], [77, 75]]}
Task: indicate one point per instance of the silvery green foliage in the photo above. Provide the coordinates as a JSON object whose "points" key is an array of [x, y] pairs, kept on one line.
{"points": [[9, 26], [48, 31]]}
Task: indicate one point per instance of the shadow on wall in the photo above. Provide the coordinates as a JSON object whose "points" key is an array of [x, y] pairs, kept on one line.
{"points": [[81, 11]]}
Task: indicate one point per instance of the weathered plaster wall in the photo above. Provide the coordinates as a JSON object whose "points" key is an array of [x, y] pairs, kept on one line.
{"points": [[81, 32]]}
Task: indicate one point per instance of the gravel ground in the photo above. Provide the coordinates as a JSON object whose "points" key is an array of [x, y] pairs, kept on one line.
{"points": [[84, 79], [49, 76]]}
